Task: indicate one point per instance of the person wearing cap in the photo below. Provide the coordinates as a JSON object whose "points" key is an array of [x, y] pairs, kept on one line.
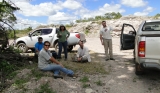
{"points": [[82, 54], [63, 35]]}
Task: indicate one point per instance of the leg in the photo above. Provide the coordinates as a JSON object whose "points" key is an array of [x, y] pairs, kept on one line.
{"points": [[84, 59], [60, 49], [56, 68], [110, 48], [106, 47], [65, 48]]}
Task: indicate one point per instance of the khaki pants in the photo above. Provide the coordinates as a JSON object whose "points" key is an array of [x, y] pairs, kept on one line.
{"points": [[108, 47]]}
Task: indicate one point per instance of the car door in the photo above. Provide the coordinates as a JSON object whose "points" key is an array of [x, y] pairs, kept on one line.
{"points": [[33, 38], [47, 34], [127, 37]]}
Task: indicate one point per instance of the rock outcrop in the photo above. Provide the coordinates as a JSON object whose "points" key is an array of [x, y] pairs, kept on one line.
{"points": [[91, 29]]}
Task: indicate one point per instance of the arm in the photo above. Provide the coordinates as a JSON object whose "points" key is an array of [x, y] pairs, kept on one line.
{"points": [[52, 59], [68, 34], [58, 35], [36, 47], [86, 53], [101, 39]]}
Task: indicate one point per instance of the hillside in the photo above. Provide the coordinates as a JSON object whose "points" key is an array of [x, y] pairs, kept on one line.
{"points": [[91, 29]]}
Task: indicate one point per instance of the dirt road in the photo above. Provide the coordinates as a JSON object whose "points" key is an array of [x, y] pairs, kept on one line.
{"points": [[122, 78]]}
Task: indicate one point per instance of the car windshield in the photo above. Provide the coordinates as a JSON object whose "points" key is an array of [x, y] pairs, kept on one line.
{"points": [[151, 26]]}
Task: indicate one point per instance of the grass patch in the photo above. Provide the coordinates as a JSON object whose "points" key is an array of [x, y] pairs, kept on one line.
{"points": [[37, 74], [19, 83], [94, 67], [85, 85], [45, 88], [84, 79], [87, 68], [99, 83]]}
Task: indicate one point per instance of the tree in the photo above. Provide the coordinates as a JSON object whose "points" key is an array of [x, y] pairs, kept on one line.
{"points": [[7, 18]]}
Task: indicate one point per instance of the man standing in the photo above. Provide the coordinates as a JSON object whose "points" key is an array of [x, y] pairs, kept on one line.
{"points": [[82, 54], [106, 40]]}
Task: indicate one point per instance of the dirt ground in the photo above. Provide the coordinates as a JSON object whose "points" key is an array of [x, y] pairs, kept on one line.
{"points": [[120, 79]]}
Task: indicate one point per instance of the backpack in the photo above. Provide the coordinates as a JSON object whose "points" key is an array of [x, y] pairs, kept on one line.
{"points": [[54, 54]]}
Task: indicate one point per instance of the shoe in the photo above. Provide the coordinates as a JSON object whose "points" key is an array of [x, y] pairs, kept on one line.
{"points": [[57, 76], [74, 76], [112, 59], [107, 59], [65, 59]]}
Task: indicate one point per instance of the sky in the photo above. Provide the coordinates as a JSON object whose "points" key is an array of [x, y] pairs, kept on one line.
{"points": [[43, 12]]}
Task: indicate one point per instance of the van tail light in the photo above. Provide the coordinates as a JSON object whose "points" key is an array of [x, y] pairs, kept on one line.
{"points": [[77, 35], [141, 49]]}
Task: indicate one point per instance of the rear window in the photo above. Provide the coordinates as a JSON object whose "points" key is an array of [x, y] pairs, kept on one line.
{"points": [[151, 26]]}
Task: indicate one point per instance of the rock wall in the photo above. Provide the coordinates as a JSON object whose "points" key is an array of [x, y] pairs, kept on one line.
{"points": [[91, 29]]}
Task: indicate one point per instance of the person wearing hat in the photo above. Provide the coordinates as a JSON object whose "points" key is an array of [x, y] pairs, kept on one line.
{"points": [[63, 35]]}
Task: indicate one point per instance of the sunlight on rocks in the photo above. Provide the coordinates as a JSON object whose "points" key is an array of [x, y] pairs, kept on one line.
{"points": [[130, 68], [122, 76]]}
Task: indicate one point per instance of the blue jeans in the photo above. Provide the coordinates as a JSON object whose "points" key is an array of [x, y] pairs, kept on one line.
{"points": [[64, 44], [56, 69]]}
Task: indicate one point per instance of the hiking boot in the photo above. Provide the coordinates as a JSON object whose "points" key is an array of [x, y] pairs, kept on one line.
{"points": [[57, 76], [107, 59], [112, 59], [74, 76], [65, 59]]}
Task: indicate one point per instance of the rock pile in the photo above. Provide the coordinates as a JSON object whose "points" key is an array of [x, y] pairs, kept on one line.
{"points": [[91, 29]]}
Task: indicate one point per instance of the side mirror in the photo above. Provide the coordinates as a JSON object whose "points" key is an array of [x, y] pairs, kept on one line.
{"points": [[29, 34]]}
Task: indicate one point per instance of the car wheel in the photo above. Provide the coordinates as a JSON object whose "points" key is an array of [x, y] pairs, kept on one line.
{"points": [[22, 47], [69, 48], [138, 69]]}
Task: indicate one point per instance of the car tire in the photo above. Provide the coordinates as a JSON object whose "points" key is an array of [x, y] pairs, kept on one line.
{"points": [[22, 47], [69, 48], [138, 69]]}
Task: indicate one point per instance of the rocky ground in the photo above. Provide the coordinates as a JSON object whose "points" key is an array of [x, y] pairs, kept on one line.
{"points": [[119, 79]]}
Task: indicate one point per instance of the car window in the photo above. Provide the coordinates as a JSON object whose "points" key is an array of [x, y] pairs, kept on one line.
{"points": [[46, 31], [36, 33], [151, 26]]}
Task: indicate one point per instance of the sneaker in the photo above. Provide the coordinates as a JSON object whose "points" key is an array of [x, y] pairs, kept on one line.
{"points": [[107, 59], [74, 76], [57, 76], [112, 59], [65, 59]]}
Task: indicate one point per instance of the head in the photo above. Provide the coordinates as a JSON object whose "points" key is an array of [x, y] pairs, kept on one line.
{"points": [[62, 27], [104, 23], [46, 45], [40, 39], [80, 43]]}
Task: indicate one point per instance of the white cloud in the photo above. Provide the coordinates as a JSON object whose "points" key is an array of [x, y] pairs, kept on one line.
{"points": [[71, 4], [134, 3], [85, 13], [145, 12], [61, 17], [43, 9], [24, 23]]}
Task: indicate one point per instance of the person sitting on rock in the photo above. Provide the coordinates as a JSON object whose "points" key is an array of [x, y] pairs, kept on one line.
{"points": [[39, 45], [82, 54], [48, 63]]}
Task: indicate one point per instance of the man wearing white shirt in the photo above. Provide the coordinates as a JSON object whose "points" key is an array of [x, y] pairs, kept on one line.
{"points": [[106, 40], [82, 54]]}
